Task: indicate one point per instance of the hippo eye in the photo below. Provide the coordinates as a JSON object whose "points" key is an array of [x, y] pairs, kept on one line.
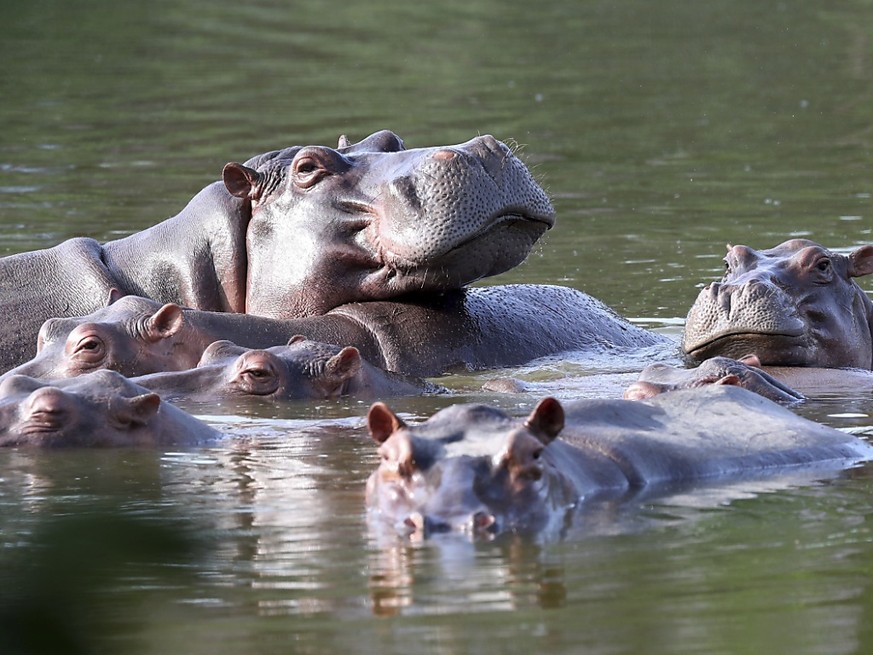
{"points": [[536, 454], [89, 348], [307, 171], [823, 265], [256, 373]]}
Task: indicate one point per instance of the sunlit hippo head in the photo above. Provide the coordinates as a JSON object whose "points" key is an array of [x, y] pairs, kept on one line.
{"points": [[373, 220], [469, 468], [99, 409], [794, 305]]}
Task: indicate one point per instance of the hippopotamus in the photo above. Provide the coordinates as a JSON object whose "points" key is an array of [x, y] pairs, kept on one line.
{"points": [[98, 409], [301, 370], [748, 373], [473, 328], [475, 469], [297, 232], [793, 305]]}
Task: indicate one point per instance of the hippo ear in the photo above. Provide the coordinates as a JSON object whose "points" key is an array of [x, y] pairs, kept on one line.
{"points": [[546, 420], [242, 181], [382, 422], [340, 368], [343, 142], [136, 411], [113, 296], [861, 261], [165, 322], [297, 338]]}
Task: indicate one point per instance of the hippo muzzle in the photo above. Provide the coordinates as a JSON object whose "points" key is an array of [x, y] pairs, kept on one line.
{"points": [[734, 320]]}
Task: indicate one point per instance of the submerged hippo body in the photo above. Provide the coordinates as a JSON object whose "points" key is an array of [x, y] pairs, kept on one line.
{"points": [[469, 329], [297, 232], [100, 409], [794, 305], [473, 468], [302, 370]]}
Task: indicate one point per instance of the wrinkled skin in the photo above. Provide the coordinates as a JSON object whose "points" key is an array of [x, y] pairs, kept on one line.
{"points": [[467, 329], [297, 232], [747, 373], [301, 370], [474, 469], [374, 221], [794, 305], [102, 409]]}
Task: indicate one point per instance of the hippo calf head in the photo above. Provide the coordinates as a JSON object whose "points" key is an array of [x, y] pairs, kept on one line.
{"points": [[99, 409], [469, 468], [301, 370], [794, 305], [132, 335], [373, 220]]}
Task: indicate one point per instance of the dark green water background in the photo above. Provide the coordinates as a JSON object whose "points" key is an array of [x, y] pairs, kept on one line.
{"points": [[663, 130]]}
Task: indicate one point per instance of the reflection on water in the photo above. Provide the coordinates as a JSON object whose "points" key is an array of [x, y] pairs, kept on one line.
{"points": [[662, 130]]}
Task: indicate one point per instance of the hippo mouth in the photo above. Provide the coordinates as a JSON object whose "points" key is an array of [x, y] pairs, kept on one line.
{"points": [[737, 344]]}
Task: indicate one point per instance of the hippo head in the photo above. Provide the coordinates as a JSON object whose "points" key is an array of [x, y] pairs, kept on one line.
{"points": [[373, 220], [794, 305], [301, 370], [131, 335], [469, 468], [99, 409]]}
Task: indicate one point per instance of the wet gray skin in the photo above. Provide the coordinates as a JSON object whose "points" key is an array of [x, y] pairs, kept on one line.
{"points": [[793, 305], [473, 469], [101, 409]]}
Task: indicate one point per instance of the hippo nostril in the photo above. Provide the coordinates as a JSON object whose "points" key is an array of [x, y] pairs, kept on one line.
{"points": [[47, 406]]}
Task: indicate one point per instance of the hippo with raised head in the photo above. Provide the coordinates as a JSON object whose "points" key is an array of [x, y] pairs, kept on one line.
{"points": [[99, 409], [470, 329], [475, 469], [302, 370], [793, 305], [297, 232]]}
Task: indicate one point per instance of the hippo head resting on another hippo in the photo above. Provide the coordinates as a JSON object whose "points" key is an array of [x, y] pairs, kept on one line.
{"points": [[794, 305], [372, 220], [301, 370]]}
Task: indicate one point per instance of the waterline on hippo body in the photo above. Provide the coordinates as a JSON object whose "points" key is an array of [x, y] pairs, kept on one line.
{"points": [[473, 468]]}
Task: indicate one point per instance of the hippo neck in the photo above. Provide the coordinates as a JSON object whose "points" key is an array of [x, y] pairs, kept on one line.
{"points": [[196, 259]]}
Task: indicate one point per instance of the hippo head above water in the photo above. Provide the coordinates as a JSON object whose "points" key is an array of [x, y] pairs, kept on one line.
{"points": [[469, 468], [99, 409], [373, 220], [793, 305]]}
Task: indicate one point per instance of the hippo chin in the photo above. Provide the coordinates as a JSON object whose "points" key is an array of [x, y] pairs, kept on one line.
{"points": [[793, 305], [100, 409], [297, 232], [474, 469], [301, 370]]}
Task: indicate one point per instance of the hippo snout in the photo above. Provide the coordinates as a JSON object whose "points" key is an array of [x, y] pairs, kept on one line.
{"points": [[754, 307], [478, 523]]}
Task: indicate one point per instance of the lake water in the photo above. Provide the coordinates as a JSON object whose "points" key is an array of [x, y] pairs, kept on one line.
{"points": [[662, 130]]}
